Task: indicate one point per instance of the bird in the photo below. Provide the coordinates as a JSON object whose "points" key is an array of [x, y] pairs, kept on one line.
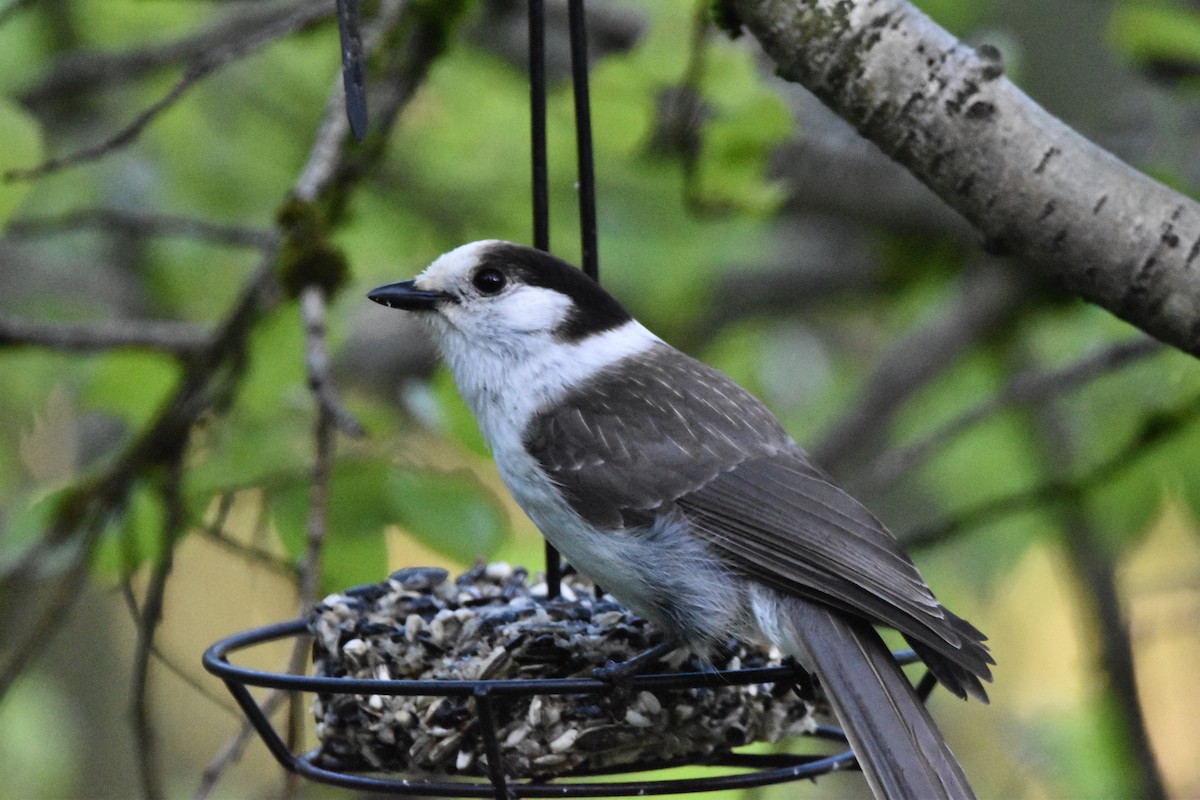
{"points": [[678, 491]]}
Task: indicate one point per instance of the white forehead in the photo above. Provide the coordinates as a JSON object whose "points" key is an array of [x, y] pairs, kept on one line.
{"points": [[452, 268]]}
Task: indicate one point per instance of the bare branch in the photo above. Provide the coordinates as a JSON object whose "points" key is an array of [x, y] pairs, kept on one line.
{"points": [[1032, 186], [1096, 564], [316, 360], [178, 338], [200, 67], [325, 434], [1156, 429], [1027, 388], [172, 666], [250, 553], [986, 299], [152, 611], [108, 219], [92, 71], [12, 8], [118, 140], [233, 749], [63, 591]]}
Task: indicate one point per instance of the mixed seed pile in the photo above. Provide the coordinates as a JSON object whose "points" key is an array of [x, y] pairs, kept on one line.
{"points": [[490, 623]]}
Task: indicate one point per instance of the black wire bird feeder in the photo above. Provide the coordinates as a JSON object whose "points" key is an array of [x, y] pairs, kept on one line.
{"points": [[599, 725]]}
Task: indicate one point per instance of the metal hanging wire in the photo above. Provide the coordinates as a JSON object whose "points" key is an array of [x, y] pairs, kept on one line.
{"points": [[585, 164], [541, 190], [750, 769]]}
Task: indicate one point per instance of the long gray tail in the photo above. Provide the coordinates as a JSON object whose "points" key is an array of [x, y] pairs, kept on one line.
{"points": [[900, 749]]}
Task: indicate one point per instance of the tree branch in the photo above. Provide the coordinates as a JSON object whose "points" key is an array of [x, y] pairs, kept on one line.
{"points": [[1032, 186], [986, 299], [1096, 564], [1026, 388], [316, 360], [91, 71], [147, 624], [179, 338], [1156, 429], [136, 224], [200, 67]]}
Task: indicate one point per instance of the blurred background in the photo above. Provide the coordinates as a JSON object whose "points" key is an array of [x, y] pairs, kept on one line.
{"points": [[165, 463]]}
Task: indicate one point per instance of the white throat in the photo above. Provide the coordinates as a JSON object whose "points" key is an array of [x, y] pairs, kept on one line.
{"points": [[505, 389]]}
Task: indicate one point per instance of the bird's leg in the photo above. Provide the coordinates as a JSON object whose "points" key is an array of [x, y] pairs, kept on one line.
{"points": [[619, 672], [805, 685]]}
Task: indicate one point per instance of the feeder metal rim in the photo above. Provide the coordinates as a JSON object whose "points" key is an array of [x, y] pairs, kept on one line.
{"points": [[765, 769], [811, 768], [216, 661]]}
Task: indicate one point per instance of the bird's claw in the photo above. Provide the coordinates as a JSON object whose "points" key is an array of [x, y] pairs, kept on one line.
{"points": [[617, 673]]}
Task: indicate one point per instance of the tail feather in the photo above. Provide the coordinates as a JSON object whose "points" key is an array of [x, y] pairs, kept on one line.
{"points": [[900, 749]]}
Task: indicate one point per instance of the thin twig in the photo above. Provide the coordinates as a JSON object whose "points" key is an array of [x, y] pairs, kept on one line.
{"points": [[1156, 428], [63, 591], [12, 8], [309, 582], [256, 555], [215, 532], [138, 224], [117, 140], [1096, 564], [233, 749], [1025, 389], [91, 71], [200, 67], [152, 610], [178, 338], [317, 362], [170, 664], [325, 435], [986, 299]]}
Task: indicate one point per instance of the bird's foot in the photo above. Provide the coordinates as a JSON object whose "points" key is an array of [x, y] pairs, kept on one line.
{"points": [[621, 673], [805, 685]]}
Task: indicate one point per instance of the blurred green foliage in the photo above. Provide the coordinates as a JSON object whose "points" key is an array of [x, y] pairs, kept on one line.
{"points": [[457, 170]]}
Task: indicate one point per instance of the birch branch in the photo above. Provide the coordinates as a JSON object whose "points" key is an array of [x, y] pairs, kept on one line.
{"points": [[1032, 186]]}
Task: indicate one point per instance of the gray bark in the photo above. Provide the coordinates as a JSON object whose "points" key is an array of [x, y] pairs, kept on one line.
{"points": [[1032, 186]]}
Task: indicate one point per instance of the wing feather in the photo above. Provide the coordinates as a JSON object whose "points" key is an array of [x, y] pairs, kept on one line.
{"points": [[620, 447]]}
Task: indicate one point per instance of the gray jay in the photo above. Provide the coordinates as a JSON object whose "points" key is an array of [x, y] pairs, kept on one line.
{"points": [[678, 491]]}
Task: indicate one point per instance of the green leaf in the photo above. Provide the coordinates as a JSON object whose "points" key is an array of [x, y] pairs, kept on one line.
{"points": [[1156, 31], [454, 417], [957, 16], [994, 459], [24, 524], [269, 427], [450, 512], [22, 148], [132, 538], [130, 385], [354, 550], [749, 122]]}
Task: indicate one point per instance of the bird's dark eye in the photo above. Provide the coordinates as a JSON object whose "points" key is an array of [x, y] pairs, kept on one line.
{"points": [[489, 280]]}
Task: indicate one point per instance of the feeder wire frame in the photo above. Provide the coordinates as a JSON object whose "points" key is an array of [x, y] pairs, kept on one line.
{"points": [[765, 769], [539, 181]]}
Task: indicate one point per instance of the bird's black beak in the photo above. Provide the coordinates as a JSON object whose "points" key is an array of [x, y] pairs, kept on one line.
{"points": [[404, 295]]}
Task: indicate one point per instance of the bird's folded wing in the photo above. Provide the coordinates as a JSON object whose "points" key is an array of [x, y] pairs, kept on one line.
{"points": [[671, 431], [780, 521]]}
